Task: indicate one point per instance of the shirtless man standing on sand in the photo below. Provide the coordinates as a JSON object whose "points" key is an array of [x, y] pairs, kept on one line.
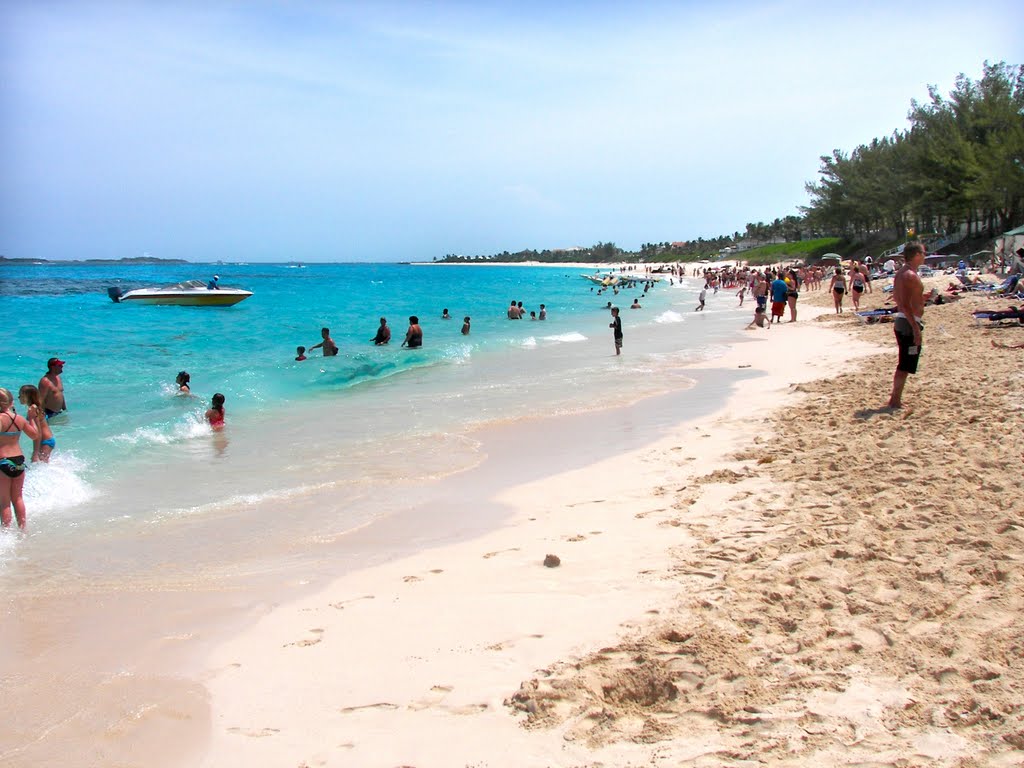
{"points": [[51, 388], [908, 293]]}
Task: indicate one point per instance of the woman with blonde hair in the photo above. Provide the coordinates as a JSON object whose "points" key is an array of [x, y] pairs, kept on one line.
{"points": [[12, 460]]}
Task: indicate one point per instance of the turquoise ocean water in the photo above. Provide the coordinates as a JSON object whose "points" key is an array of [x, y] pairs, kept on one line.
{"points": [[138, 482]]}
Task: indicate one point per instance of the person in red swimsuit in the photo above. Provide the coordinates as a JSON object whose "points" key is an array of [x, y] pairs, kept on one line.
{"points": [[215, 414]]}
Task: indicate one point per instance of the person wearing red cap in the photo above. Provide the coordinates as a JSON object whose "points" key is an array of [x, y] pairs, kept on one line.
{"points": [[51, 388]]}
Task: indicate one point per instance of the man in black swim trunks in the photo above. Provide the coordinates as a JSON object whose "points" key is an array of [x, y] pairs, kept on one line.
{"points": [[908, 293]]}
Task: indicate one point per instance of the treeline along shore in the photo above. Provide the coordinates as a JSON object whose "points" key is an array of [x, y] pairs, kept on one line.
{"points": [[957, 167]]}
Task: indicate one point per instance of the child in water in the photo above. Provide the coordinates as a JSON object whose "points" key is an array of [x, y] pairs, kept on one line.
{"points": [[300, 354], [215, 414], [182, 380], [43, 445]]}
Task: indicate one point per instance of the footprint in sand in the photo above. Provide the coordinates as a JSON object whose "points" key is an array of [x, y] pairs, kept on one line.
{"points": [[408, 579], [577, 537], [468, 709], [340, 605], [502, 645], [379, 705], [254, 734], [308, 641], [489, 555]]}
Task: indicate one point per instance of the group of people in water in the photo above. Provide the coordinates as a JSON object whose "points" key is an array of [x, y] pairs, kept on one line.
{"points": [[215, 413], [413, 337], [413, 334], [42, 403]]}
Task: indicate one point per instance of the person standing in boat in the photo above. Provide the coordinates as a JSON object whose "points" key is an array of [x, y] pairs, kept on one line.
{"points": [[212, 285]]}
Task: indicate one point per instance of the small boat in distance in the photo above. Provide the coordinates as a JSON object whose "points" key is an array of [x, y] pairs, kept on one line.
{"points": [[190, 293]]}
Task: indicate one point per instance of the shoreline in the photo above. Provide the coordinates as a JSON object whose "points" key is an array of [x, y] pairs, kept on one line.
{"points": [[486, 611], [166, 622], [468, 639], [733, 597]]}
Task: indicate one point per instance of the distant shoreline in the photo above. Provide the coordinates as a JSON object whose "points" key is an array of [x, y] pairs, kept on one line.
{"points": [[47, 262]]}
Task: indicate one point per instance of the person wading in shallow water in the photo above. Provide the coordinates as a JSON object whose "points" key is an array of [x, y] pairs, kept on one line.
{"points": [[908, 293], [616, 326], [330, 348], [12, 460], [383, 333], [413, 336], [51, 388]]}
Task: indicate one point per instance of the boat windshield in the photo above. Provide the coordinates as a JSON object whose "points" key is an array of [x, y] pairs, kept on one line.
{"points": [[189, 285]]}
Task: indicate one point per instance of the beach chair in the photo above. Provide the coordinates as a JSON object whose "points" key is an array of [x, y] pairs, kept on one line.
{"points": [[1008, 287], [967, 285]]}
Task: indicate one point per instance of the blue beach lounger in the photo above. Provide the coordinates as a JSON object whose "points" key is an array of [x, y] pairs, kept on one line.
{"points": [[880, 315]]}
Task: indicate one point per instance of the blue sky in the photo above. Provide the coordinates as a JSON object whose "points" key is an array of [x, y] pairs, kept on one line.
{"points": [[383, 131]]}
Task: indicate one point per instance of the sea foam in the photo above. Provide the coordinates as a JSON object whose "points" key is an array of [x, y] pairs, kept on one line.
{"points": [[669, 316], [58, 485], [192, 427], [566, 338]]}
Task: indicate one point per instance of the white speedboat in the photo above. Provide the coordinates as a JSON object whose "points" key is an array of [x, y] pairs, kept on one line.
{"points": [[190, 293]]}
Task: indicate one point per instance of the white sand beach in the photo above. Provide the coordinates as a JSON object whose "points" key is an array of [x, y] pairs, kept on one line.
{"points": [[802, 578]]}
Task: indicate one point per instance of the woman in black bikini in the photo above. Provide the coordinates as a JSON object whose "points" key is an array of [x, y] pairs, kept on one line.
{"points": [[792, 293], [856, 286], [838, 288], [12, 460]]}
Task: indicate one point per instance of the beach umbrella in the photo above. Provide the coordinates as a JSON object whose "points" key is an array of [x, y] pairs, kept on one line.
{"points": [[831, 257]]}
